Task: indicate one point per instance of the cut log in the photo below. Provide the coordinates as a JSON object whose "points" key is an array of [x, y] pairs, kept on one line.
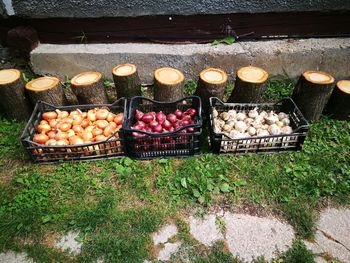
{"points": [[249, 85], [12, 95], [126, 80], [47, 89], [168, 84], [211, 83], [312, 93], [89, 89], [339, 102]]}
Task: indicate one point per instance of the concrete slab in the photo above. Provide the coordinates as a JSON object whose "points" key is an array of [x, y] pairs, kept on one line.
{"points": [[278, 57], [69, 242], [163, 235], [249, 237], [12, 257], [205, 229]]}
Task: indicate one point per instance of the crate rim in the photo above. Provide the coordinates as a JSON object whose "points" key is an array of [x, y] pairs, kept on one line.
{"points": [[36, 109], [165, 134], [295, 133]]}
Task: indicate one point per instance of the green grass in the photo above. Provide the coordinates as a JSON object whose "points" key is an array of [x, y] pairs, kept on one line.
{"points": [[117, 204]]}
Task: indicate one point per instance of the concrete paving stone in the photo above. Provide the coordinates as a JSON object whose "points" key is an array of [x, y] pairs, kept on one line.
{"points": [[164, 234], [69, 242], [249, 237], [12, 257], [168, 250], [205, 229], [336, 223]]}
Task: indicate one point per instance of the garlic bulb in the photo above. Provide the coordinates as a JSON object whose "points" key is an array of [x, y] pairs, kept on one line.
{"points": [[225, 116], [231, 123], [256, 124], [248, 121], [286, 121], [233, 133], [274, 129], [227, 128], [239, 135], [241, 116], [261, 132], [253, 113], [251, 131], [287, 130], [264, 127], [240, 126], [282, 115], [215, 113], [271, 119], [279, 123], [263, 114], [232, 114], [260, 119]]}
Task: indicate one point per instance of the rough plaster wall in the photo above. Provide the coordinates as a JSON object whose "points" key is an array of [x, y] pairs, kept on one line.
{"points": [[114, 8]]}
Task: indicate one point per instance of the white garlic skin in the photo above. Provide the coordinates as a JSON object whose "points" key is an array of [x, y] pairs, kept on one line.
{"points": [[286, 121], [282, 115], [279, 123], [215, 113], [241, 126], [274, 129], [241, 116], [260, 119], [253, 113], [233, 133], [251, 131], [287, 130], [261, 132], [227, 128], [256, 124], [271, 119], [231, 123], [248, 121], [263, 114], [224, 115], [232, 114]]}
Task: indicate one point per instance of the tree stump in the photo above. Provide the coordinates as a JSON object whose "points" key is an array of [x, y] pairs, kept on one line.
{"points": [[12, 95], [312, 93], [339, 102], [211, 83], [168, 84], [46, 89], [249, 85], [89, 89], [126, 80]]}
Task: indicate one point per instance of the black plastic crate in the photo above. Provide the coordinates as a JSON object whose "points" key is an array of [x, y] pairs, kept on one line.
{"points": [[111, 148], [223, 144], [162, 145]]}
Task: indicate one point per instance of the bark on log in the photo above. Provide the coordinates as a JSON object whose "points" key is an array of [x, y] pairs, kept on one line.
{"points": [[312, 92], [249, 85], [126, 80], [89, 89], [47, 89], [211, 83], [12, 95], [339, 102], [168, 84]]}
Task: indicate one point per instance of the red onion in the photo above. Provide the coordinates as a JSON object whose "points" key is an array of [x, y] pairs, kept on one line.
{"points": [[138, 127], [158, 128], [166, 125], [153, 124], [138, 115], [176, 125], [191, 121], [153, 114], [171, 129], [190, 130], [192, 112], [178, 113], [147, 118], [160, 117], [149, 129], [184, 122], [171, 117], [141, 124]]}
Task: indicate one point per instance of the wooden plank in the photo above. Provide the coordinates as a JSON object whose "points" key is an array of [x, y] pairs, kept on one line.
{"points": [[175, 29]]}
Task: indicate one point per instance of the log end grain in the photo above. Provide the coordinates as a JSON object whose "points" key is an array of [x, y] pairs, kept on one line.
{"points": [[123, 70], [252, 74], [86, 78], [42, 84], [8, 76], [168, 76]]}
